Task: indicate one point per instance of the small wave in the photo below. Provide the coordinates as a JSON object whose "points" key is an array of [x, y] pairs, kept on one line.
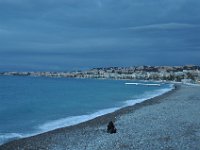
{"points": [[5, 137], [191, 84], [55, 124], [73, 120], [149, 95]]}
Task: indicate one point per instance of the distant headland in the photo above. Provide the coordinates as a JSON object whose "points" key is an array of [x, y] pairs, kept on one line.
{"points": [[189, 73]]}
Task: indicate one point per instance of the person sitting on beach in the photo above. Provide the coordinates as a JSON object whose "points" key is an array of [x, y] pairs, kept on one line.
{"points": [[111, 128]]}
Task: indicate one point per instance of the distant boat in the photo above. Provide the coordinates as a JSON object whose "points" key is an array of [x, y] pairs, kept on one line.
{"points": [[142, 84]]}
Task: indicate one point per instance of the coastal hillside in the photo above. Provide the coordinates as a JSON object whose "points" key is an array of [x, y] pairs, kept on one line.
{"points": [[188, 74]]}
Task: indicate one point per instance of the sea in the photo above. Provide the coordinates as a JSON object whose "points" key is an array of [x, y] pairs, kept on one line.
{"points": [[33, 105]]}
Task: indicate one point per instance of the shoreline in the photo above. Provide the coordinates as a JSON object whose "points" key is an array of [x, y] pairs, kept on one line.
{"points": [[97, 121], [106, 111], [74, 120]]}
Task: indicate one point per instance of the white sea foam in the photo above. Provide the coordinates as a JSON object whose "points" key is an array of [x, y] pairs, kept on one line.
{"points": [[55, 124], [8, 136], [191, 84], [5, 137], [148, 95], [74, 120]]}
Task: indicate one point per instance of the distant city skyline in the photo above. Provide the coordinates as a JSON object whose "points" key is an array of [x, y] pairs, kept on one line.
{"points": [[59, 35]]}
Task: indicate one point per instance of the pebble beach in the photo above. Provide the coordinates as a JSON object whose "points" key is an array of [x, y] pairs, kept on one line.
{"points": [[168, 122]]}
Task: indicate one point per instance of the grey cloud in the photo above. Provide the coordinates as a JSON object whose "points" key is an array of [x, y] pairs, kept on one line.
{"points": [[99, 31], [166, 26], [3, 31]]}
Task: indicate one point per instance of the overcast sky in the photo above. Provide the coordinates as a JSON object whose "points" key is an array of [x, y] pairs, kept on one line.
{"points": [[81, 34]]}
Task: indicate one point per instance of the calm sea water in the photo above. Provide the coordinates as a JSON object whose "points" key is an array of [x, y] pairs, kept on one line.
{"points": [[31, 105]]}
